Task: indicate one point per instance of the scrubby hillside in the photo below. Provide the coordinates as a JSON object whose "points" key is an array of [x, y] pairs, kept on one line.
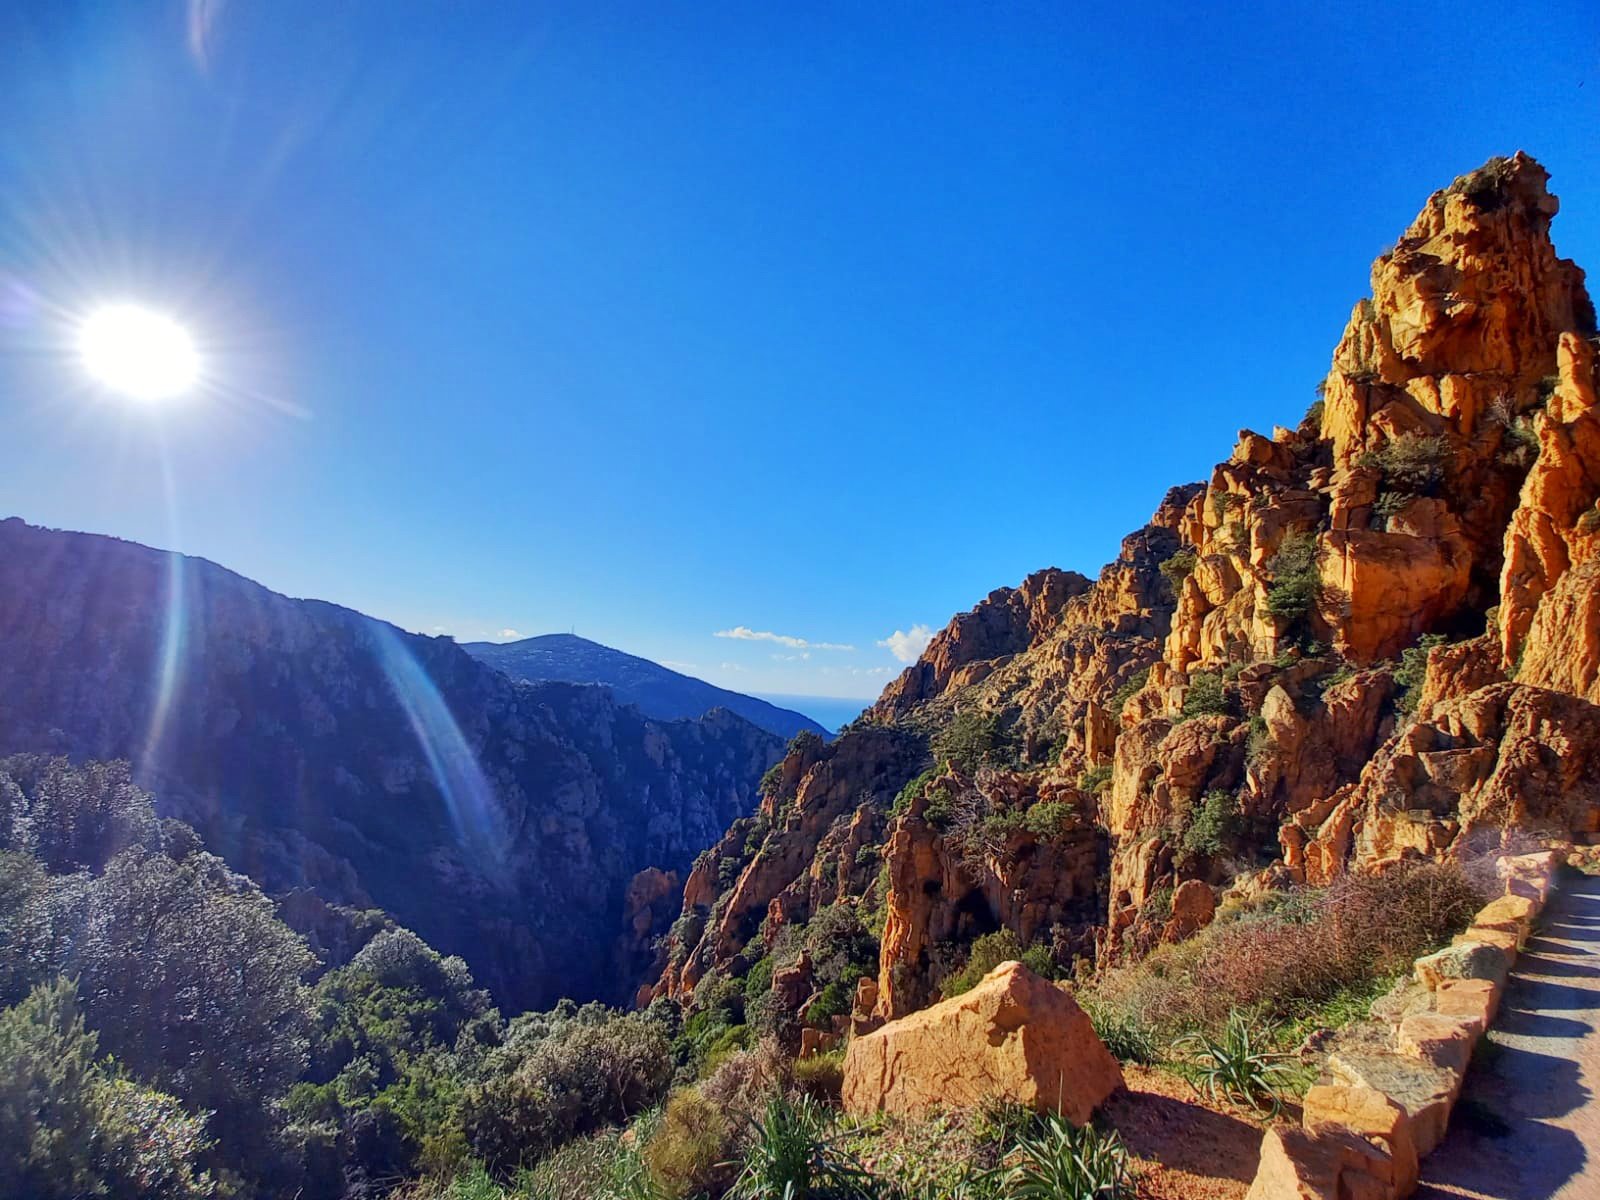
{"points": [[537, 830], [1369, 636]]}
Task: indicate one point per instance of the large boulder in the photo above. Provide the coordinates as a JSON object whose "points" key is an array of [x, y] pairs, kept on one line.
{"points": [[1015, 1036]]}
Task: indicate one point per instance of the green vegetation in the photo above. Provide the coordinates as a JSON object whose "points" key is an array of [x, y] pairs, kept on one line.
{"points": [[1296, 586], [1208, 831], [1238, 1066], [1413, 670], [1125, 692], [1124, 1033], [71, 1126], [1061, 1162], [1204, 697], [913, 789], [1178, 568], [988, 952], [793, 1157], [1294, 951], [1222, 503], [1589, 520], [972, 739], [1096, 779]]}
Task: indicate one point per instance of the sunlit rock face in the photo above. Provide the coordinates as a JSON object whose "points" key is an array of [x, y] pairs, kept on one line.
{"points": [[1251, 662], [315, 747]]}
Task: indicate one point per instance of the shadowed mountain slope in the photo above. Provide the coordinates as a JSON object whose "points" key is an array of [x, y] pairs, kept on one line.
{"points": [[653, 689], [314, 747]]}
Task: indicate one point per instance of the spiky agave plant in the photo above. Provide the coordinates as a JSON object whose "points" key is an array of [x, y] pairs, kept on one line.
{"points": [[792, 1156], [1239, 1067], [1061, 1162]]}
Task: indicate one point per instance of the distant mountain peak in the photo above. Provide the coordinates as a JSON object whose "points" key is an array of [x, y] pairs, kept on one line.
{"points": [[653, 689]]}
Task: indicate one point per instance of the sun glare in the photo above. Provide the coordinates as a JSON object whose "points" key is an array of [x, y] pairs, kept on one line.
{"points": [[142, 354]]}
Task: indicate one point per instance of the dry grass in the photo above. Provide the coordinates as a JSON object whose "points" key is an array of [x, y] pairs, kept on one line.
{"points": [[1297, 950]]}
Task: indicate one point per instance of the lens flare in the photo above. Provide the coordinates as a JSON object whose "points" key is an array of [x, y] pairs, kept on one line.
{"points": [[467, 794], [142, 354]]}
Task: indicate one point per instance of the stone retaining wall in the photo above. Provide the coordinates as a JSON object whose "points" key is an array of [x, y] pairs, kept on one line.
{"points": [[1391, 1082]]}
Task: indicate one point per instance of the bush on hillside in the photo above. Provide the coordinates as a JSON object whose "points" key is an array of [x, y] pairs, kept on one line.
{"points": [[1296, 586], [577, 1078], [1205, 696], [70, 1126], [988, 952], [1297, 948]]}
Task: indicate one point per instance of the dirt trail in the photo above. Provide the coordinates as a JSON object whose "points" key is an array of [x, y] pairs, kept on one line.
{"points": [[1526, 1127]]}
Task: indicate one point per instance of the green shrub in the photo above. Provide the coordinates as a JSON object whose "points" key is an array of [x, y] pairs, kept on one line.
{"points": [[1296, 586], [1047, 819], [1297, 947], [1204, 696], [1387, 506], [1124, 1033], [686, 1151], [1062, 1162], [1125, 692], [821, 1076], [1096, 779], [972, 739], [758, 980], [988, 952], [1312, 421], [772, 781], [793, 1157], [1178, 568], [70, 1127], [913, 789], [1413, 462], [940, 811], [1213, 827], [1259, 740], [1413, 670], [578, 1077], [1238, 1067]]}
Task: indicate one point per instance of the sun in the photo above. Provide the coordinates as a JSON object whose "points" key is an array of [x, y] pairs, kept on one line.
{"points": [[145, 355]]}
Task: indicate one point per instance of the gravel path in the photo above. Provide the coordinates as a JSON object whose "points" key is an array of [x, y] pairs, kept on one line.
{"points": [[1525, 1128]]}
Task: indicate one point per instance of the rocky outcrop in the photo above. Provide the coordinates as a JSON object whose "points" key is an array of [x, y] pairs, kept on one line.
{"points": [[971, 646], [984, 870], [317, 748], [1243, 698], [1013, 1036], [1503, 758], [800, 853], [1550, 585]]}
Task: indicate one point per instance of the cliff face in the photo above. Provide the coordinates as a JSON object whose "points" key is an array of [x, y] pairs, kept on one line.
{"points": [[317, 748], [1375, 634]]}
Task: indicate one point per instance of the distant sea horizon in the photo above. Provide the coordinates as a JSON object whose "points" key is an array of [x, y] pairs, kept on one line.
{"points": [[831, 712]]}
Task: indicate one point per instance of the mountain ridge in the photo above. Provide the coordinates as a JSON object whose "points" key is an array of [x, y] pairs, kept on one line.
{"points": [[315, 747], [657, 691]]}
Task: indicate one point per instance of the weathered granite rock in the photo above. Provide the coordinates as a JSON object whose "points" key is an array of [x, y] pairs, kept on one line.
{"points": [[1014, 1036]]}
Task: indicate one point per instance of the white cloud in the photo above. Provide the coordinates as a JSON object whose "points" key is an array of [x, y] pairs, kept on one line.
{"points": [[732, 667], [744, 633], [801, 657], [510, 635], [907, 644]]}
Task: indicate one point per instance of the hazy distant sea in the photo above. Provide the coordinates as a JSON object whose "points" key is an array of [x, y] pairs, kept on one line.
{"points": [[828, 711]]}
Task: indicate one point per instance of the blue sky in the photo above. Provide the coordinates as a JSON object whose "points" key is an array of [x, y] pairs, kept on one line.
{"points": [[661, 321]]}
